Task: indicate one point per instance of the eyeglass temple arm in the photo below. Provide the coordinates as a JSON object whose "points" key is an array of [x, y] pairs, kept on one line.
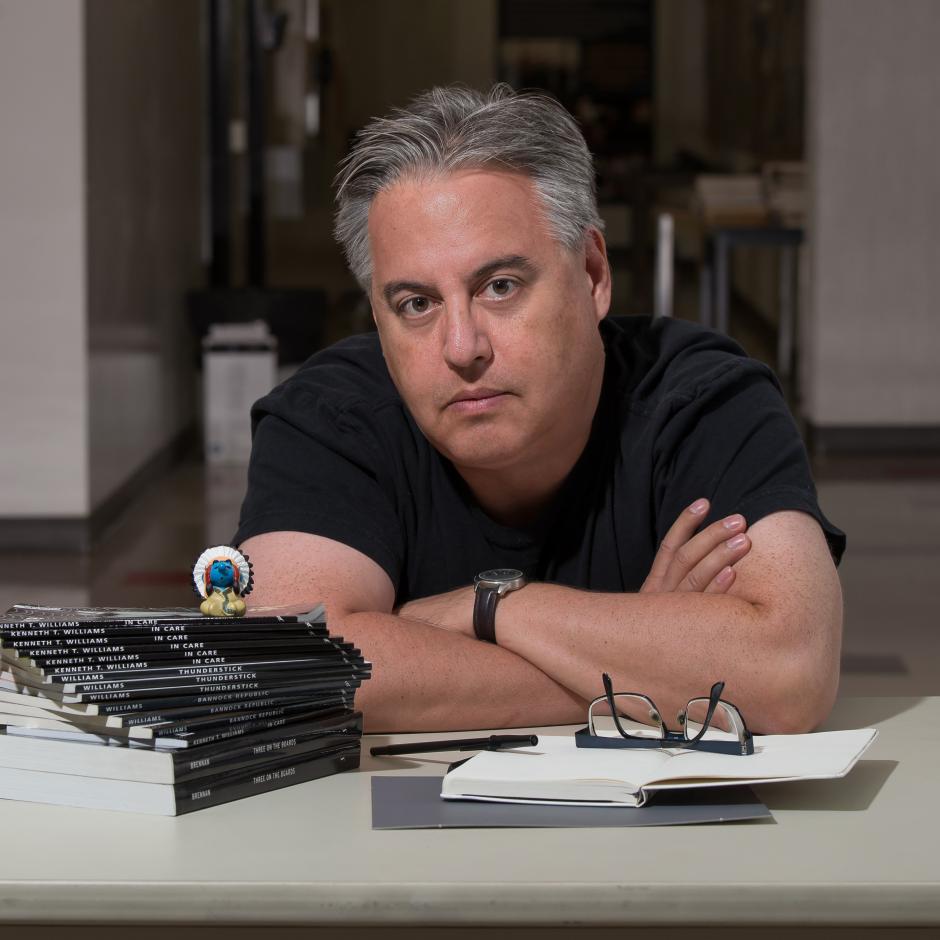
{"points": [[609, 692], [713, 697]]}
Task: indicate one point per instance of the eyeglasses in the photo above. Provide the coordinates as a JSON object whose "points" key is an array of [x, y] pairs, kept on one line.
{"points": [[729, 734]]}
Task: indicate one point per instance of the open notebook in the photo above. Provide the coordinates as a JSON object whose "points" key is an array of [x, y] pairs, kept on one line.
{"points": [[556, 771]]}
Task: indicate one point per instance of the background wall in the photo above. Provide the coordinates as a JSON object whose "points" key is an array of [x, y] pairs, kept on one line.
{"points": [[871, 323], [43, 366], [101, 201], [145, 164]]}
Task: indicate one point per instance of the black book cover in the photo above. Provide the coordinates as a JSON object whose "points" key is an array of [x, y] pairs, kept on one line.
{"points": [[185, 734], [253, 719], [258, 696], [225, 731], [78, 662], [293, 750], [180, 674], [223, 788], [89, 680], [243, 693], [287, 742], [70, 655], [34, 613], [198, 715], [53, 635], [226, 685]]}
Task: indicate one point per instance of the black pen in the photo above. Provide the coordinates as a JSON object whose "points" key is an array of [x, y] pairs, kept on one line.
{"points": [[494, 742]]}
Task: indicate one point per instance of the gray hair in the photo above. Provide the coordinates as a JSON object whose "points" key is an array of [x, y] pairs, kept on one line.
{"points": [[453, 128]]}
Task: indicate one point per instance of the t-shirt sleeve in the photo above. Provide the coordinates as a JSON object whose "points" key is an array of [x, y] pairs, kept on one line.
{"points": [[321, 479], [733, 440]]}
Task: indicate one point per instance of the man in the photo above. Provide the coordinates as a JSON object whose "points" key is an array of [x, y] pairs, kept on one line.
{"points": [[646, 478]]}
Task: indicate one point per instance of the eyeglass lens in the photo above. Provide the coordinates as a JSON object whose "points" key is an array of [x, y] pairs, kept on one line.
{"points": [[725, 719], [637, 715]]}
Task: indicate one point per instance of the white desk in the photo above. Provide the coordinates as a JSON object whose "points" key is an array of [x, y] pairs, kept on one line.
{"points": [[856, 852]]}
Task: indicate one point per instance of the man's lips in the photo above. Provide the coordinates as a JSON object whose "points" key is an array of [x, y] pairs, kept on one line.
{"points": [[477, 400]]}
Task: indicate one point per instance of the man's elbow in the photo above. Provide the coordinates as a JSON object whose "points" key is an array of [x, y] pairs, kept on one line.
{"points": [[805, 683], [801, 705]]}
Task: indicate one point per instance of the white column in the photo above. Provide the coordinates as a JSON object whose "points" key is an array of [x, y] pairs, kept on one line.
{"points": [[870, 346], [43, 357]]}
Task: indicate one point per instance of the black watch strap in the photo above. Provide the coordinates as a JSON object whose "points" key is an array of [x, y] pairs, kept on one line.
{"points": [[484, 613]]}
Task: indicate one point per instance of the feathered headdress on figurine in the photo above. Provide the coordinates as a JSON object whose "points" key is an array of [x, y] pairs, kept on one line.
{"points": [[222, 576]]}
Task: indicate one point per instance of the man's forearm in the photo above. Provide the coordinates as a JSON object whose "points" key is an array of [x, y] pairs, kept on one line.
{"points": [[672, 647], [773, 638], [426, 679]]}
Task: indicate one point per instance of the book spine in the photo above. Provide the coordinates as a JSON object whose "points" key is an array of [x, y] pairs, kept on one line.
{"points": [[130, 702], [105, 620], [228, 680], [171, 675], [225, 731], [73, 664], [245, 683], [291, 750], [262, 724], [157, 633], [183, 719], [213, 791], [83, 668], [259, 697], [196, 715], [69, 654], [282, 743]]}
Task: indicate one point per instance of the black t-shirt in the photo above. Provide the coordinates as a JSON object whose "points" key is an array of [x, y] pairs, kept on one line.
{"points": [[684, 413]]}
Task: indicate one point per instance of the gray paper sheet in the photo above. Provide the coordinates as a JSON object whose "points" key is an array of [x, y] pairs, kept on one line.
{"points": [[414, 802]]}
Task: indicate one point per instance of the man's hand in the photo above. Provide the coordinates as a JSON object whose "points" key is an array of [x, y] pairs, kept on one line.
{"points": [[685, 562], [452, 611], [701, 563]]}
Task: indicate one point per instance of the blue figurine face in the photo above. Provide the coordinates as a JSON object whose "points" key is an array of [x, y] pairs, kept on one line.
{"points": [[222, 574]]}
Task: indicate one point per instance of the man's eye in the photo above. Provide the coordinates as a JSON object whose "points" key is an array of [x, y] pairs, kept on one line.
{"points": [[501, 287], [414, 306]]}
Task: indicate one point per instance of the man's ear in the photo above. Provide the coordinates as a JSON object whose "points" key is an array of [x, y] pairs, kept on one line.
{"points": [[597, 269]]}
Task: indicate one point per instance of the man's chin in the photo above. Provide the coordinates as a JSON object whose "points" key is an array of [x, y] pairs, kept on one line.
{"points": [[482, 454], [490, 443]]}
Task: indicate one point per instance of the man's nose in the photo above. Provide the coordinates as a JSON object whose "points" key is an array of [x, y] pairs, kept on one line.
{"points": [[466, 340]]}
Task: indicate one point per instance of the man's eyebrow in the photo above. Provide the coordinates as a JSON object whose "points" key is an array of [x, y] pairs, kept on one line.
{"points": [[396, 287], [518, 262]]}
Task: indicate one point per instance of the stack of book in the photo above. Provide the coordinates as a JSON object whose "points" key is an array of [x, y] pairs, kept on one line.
{"points": [[168, 711]]}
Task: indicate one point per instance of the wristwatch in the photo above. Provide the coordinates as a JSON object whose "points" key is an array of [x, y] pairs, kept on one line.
{"points": [[489, 587]]}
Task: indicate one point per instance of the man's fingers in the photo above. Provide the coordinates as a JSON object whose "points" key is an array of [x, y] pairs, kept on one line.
{"points": [[684, 573], [722, 581], [710, 575], [678, 535]]}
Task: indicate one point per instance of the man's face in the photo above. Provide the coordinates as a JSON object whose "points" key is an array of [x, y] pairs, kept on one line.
{"points": [[487, 323]]}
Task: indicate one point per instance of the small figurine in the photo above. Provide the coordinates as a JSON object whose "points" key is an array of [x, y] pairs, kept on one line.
{"points": [[222, 576]]}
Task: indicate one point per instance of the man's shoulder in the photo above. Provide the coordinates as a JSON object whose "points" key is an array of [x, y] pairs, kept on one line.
{"points": [[349, 376], [670, 360]]}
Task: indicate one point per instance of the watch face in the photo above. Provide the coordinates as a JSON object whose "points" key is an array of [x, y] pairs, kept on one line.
{"points": [[500, 575]]}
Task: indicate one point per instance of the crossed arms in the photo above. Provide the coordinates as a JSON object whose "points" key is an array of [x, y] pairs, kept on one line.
{"points": [[764, 616]]}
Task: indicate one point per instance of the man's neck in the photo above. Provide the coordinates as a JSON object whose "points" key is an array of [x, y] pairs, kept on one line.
{"points": [[511, 498]]}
